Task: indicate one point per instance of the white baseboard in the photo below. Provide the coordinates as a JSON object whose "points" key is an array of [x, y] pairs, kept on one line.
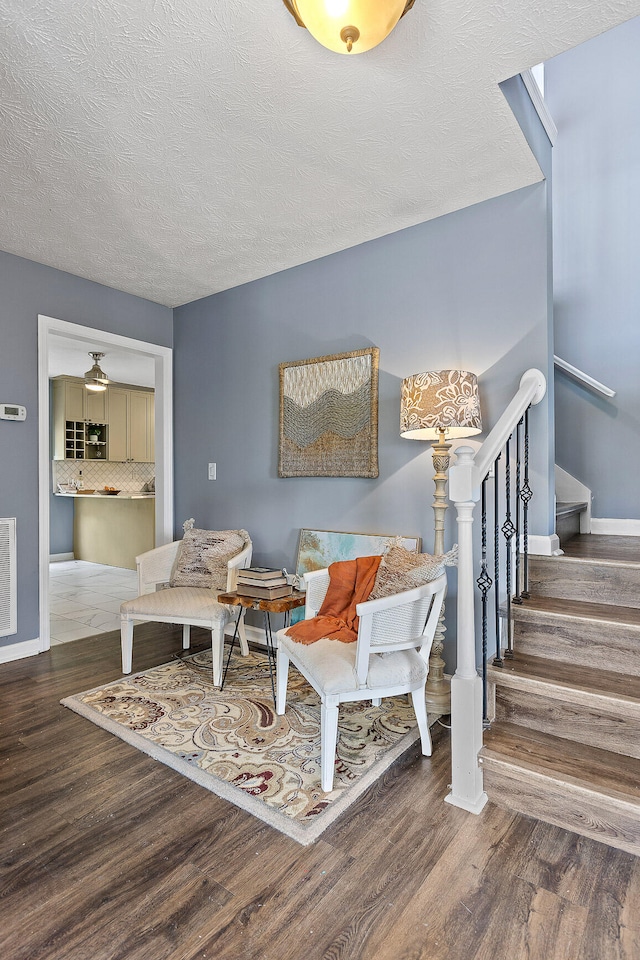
{"points": [[615, 528], [59, 557], [254, 634], [543, 546], [18, 651]]}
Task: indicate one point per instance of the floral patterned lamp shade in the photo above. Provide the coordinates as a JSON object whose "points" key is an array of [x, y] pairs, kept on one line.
{"points": [[441, 400]]}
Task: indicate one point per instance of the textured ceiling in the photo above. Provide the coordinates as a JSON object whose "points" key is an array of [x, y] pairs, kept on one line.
{"points": [[175, 148]]}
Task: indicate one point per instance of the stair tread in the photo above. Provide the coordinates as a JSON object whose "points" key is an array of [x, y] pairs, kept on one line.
{"points": [[590, 546], [588, 767], [577, 609], [565, 508], [602, 683]]}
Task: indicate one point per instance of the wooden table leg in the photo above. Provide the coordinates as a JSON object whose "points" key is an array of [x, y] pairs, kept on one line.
{"points": [[233, 640]]}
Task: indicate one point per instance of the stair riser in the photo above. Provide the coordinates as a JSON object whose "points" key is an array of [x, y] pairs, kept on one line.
{"points": [[584, 722], [586, 643], [589, 581], [590, 815], [567, 527]]}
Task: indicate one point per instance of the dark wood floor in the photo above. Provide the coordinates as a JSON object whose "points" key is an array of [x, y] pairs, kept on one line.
{"points": [[106, 854]]}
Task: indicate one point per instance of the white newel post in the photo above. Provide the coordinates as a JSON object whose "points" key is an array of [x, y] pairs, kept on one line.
{"points": [[466, 686]]}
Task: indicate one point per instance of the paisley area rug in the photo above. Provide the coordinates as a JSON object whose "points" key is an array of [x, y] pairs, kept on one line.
{"points": [[232, 742]]}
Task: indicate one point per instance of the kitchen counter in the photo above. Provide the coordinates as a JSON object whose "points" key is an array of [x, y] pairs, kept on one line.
{"points": [[123, 495], [113, 530]]}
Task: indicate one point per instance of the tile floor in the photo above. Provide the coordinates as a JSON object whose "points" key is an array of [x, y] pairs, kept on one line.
{"points": [[86, 597]]}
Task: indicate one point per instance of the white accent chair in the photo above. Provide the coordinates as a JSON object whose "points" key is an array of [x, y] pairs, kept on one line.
{"points": [[390, 657], [189, 606]]}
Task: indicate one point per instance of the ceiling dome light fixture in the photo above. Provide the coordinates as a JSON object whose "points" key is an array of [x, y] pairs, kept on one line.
{"points": [[95, 379], [348, 26]]}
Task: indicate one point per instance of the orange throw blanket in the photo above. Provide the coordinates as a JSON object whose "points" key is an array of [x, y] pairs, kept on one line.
{"points": [[350, 583]]}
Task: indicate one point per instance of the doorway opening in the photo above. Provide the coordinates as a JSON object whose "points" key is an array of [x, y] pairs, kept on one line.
{"points": [[51, 334]]}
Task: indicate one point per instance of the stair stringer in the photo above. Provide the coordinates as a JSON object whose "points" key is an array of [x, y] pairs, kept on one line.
{"points": [[569, 489]]}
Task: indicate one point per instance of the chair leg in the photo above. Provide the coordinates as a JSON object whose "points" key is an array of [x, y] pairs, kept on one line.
{"points": [[126, 644], [420, 709], [186, 636], [242, 635], [282, 673], [328, 741], [217, 653], [376, 701]]}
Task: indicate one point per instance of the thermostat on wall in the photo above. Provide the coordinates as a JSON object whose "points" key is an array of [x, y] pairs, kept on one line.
{"points": [[12, 411]]}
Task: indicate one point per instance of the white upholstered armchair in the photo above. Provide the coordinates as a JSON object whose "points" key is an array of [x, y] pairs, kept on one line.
{"points": [[190, 606], [390, 657]]}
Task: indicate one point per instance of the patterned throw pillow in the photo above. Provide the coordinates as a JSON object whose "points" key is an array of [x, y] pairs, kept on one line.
{"points": [[401, 570], [203, 557]]}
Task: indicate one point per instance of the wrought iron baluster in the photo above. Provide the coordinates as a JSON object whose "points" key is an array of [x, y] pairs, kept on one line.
{"points": [[484, 582], [517, 598], [498, 662], [525, 495], [508, 531]]}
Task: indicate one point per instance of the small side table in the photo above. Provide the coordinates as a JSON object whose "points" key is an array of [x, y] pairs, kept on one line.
{"points": [[281, 605]]}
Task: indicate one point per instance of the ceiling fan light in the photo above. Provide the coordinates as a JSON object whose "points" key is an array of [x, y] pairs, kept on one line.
{"points": [[349, 26], [95, 379]]}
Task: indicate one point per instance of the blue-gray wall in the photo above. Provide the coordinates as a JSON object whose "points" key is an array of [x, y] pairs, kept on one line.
{"points": [[28, 289], [60, 510], [468, 290], [543, 427], [60, 526], [593, 93]]}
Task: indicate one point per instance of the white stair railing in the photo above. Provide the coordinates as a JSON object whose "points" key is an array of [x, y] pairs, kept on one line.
{"points": [[465, 482], [583, 377]]}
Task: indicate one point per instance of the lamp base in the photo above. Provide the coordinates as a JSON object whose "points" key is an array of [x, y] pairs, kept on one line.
{"points": [[438, 688], [439, 698]]}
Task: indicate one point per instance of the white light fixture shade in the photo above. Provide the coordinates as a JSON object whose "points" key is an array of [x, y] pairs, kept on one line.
{"points": [[440, 400], [349, 26], [95, 379]]}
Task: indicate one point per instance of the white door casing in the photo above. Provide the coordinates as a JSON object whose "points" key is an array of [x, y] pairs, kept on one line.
{"points": [[163, 362]]}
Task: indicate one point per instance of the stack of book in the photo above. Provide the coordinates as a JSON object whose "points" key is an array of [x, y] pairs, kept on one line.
{"points": [[264, 583]]}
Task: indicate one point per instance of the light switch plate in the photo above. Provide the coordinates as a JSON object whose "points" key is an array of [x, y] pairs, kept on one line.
{"points": [[212, 471]]}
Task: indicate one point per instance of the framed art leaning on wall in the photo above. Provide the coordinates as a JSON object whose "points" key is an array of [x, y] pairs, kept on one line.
{"points": [[319, 548], [329, 416]]}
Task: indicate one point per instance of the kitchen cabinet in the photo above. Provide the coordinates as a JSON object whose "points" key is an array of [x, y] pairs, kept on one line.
{"points": [[113, 530], [78, 402], [118, 424], [71, 395], [74, 409], [123, 414], [131, 425], [95, 407]]}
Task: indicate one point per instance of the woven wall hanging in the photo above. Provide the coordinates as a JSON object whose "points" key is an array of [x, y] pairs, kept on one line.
{"points": [[329, 416]]}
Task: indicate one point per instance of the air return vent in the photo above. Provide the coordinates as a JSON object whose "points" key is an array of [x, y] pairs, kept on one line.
{"points": [[8, 593]]}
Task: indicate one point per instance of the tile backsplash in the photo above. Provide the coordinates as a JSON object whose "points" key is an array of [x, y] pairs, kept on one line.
{"points": [[103, 473]]}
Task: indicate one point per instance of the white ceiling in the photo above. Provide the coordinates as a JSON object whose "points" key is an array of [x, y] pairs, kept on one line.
{"points": [[175, 148], [70, 357]]}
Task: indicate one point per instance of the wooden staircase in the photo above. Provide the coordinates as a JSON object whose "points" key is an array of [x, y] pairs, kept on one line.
{"points": [[565, 742]]}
